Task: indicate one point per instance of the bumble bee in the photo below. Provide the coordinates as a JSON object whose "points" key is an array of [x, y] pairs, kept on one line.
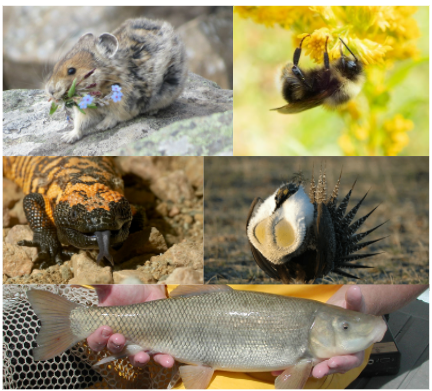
{"points": [[331, 85]]}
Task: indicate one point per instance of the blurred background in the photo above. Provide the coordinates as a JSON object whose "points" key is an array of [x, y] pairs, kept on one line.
{"points": [[399, 185], [34, 38], [394, 103]]}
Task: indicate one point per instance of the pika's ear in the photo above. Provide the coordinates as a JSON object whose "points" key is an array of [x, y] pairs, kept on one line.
{"points": [[107, 45], [86, 37]]}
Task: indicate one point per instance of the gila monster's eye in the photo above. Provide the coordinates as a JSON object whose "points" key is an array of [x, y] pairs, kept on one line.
{"points": [[73, 214], [71, 71]]}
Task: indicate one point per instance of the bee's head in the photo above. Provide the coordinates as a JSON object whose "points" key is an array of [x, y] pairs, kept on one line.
{"points": [[350, 68]]}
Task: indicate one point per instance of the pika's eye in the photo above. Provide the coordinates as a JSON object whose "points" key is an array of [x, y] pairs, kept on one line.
{"points": [[71, 71], [345, 326]]}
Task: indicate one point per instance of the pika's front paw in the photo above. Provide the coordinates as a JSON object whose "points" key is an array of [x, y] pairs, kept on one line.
{"points": [[107, 123], [71, 137]]}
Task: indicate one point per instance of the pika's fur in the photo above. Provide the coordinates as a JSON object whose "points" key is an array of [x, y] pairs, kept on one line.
{"points": [[144, 57]]}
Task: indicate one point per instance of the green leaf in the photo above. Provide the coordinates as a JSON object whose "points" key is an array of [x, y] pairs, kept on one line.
{"points": [[71, 91], [54, 108], [92, 106]]}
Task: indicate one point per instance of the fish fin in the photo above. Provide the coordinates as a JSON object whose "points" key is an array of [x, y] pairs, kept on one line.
{"points": [[55, 335], [294, 377], [196, 290], [128, 350], [196, 376]]}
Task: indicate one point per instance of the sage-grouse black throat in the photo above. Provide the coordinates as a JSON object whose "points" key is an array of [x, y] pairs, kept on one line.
{"points": [[325, 238]]}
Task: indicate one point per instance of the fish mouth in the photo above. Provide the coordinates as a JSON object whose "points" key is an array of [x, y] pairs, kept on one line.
{"points": [[380, 331]]}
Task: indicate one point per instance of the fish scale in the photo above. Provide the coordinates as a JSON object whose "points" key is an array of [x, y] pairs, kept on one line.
{"points": [[187, 319], [237, 331]]}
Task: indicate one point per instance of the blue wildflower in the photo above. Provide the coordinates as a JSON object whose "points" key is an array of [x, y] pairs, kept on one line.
{"points": [[116, 88], [116, 96], [85, 101]]}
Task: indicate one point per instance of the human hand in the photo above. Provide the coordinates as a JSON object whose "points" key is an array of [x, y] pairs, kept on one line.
{"points": [[110, 295], [354, 301]]}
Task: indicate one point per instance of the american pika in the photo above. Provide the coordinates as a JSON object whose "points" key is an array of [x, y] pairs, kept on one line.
{"points": [[144, 57]]}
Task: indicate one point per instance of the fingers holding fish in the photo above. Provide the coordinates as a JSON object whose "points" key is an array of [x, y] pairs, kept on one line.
{"points": [[99, 339], [351, 298], [338, 364], [165, 360], [115, 295]]}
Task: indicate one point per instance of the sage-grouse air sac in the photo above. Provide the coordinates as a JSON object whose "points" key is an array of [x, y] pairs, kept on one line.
{"points": [[296, 237]]}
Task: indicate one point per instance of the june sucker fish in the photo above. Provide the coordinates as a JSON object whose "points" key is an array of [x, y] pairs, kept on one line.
{"points": [[210, 328]]}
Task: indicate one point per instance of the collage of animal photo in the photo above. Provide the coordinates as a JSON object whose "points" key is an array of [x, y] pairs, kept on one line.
{"points": [[215, 197]]}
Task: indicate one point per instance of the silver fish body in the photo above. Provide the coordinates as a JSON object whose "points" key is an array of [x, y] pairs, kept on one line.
{"points": [[224, 329]]}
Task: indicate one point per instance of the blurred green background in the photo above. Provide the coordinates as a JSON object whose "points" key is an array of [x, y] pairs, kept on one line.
{"points": [[259, 54]]}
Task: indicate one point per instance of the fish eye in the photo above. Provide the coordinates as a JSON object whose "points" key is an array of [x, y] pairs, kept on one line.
{"points": [[71, 71], [345, 326]]}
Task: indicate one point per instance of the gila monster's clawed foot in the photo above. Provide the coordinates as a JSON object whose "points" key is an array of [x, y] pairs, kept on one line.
{"points": [[47, 254]]}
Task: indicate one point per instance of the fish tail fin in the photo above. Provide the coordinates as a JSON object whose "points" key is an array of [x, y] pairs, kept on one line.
{"points": [[55, 335]]}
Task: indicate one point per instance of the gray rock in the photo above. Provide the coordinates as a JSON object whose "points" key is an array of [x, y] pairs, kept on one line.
{"points": [[28, 129], [205, 136]]}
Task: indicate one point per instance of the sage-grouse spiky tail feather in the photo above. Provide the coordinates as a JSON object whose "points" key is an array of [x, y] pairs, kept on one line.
{"points": [[331, 240], [345, 237]]}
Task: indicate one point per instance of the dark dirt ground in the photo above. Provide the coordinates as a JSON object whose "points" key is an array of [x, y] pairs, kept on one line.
{"points": [[399, 185]]}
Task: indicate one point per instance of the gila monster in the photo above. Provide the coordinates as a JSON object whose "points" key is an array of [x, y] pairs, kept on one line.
{"points": [[73, 200]]}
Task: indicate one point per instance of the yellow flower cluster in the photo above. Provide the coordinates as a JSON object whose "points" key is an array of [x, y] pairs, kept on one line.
{"points": [[377, 35], [397, 139], [374, 33]]}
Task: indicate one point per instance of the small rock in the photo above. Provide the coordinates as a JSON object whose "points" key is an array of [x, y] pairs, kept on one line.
{"points": [[22, 232], [188, 219], [185, 275], [185, 254], [199, 217], [7, 218], [121, 277], [142, 166], [18, 213], [66, 272], [86, 271], [194, 170], [16, 261], [162, 209], [173, 187], [12, 193], [174, 211]]}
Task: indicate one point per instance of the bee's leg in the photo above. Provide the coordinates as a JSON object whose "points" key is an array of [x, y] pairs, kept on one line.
{"points": [[295, 69]]}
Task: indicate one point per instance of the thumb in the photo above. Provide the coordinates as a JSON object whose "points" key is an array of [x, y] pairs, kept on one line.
{"points": [[354, 299]]}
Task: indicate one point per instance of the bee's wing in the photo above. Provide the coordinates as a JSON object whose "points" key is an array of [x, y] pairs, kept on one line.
{"points": [[261, 261], [298, 107]]}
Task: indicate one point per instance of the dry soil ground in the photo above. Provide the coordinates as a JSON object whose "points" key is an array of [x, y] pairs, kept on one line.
{"points": [[399, 185]]}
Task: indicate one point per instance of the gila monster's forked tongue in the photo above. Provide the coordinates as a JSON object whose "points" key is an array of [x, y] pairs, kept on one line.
{"points": [[103, 240]]}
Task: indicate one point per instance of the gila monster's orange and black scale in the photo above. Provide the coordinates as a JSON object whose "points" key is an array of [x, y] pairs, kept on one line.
{"points": [[73, 200]]}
